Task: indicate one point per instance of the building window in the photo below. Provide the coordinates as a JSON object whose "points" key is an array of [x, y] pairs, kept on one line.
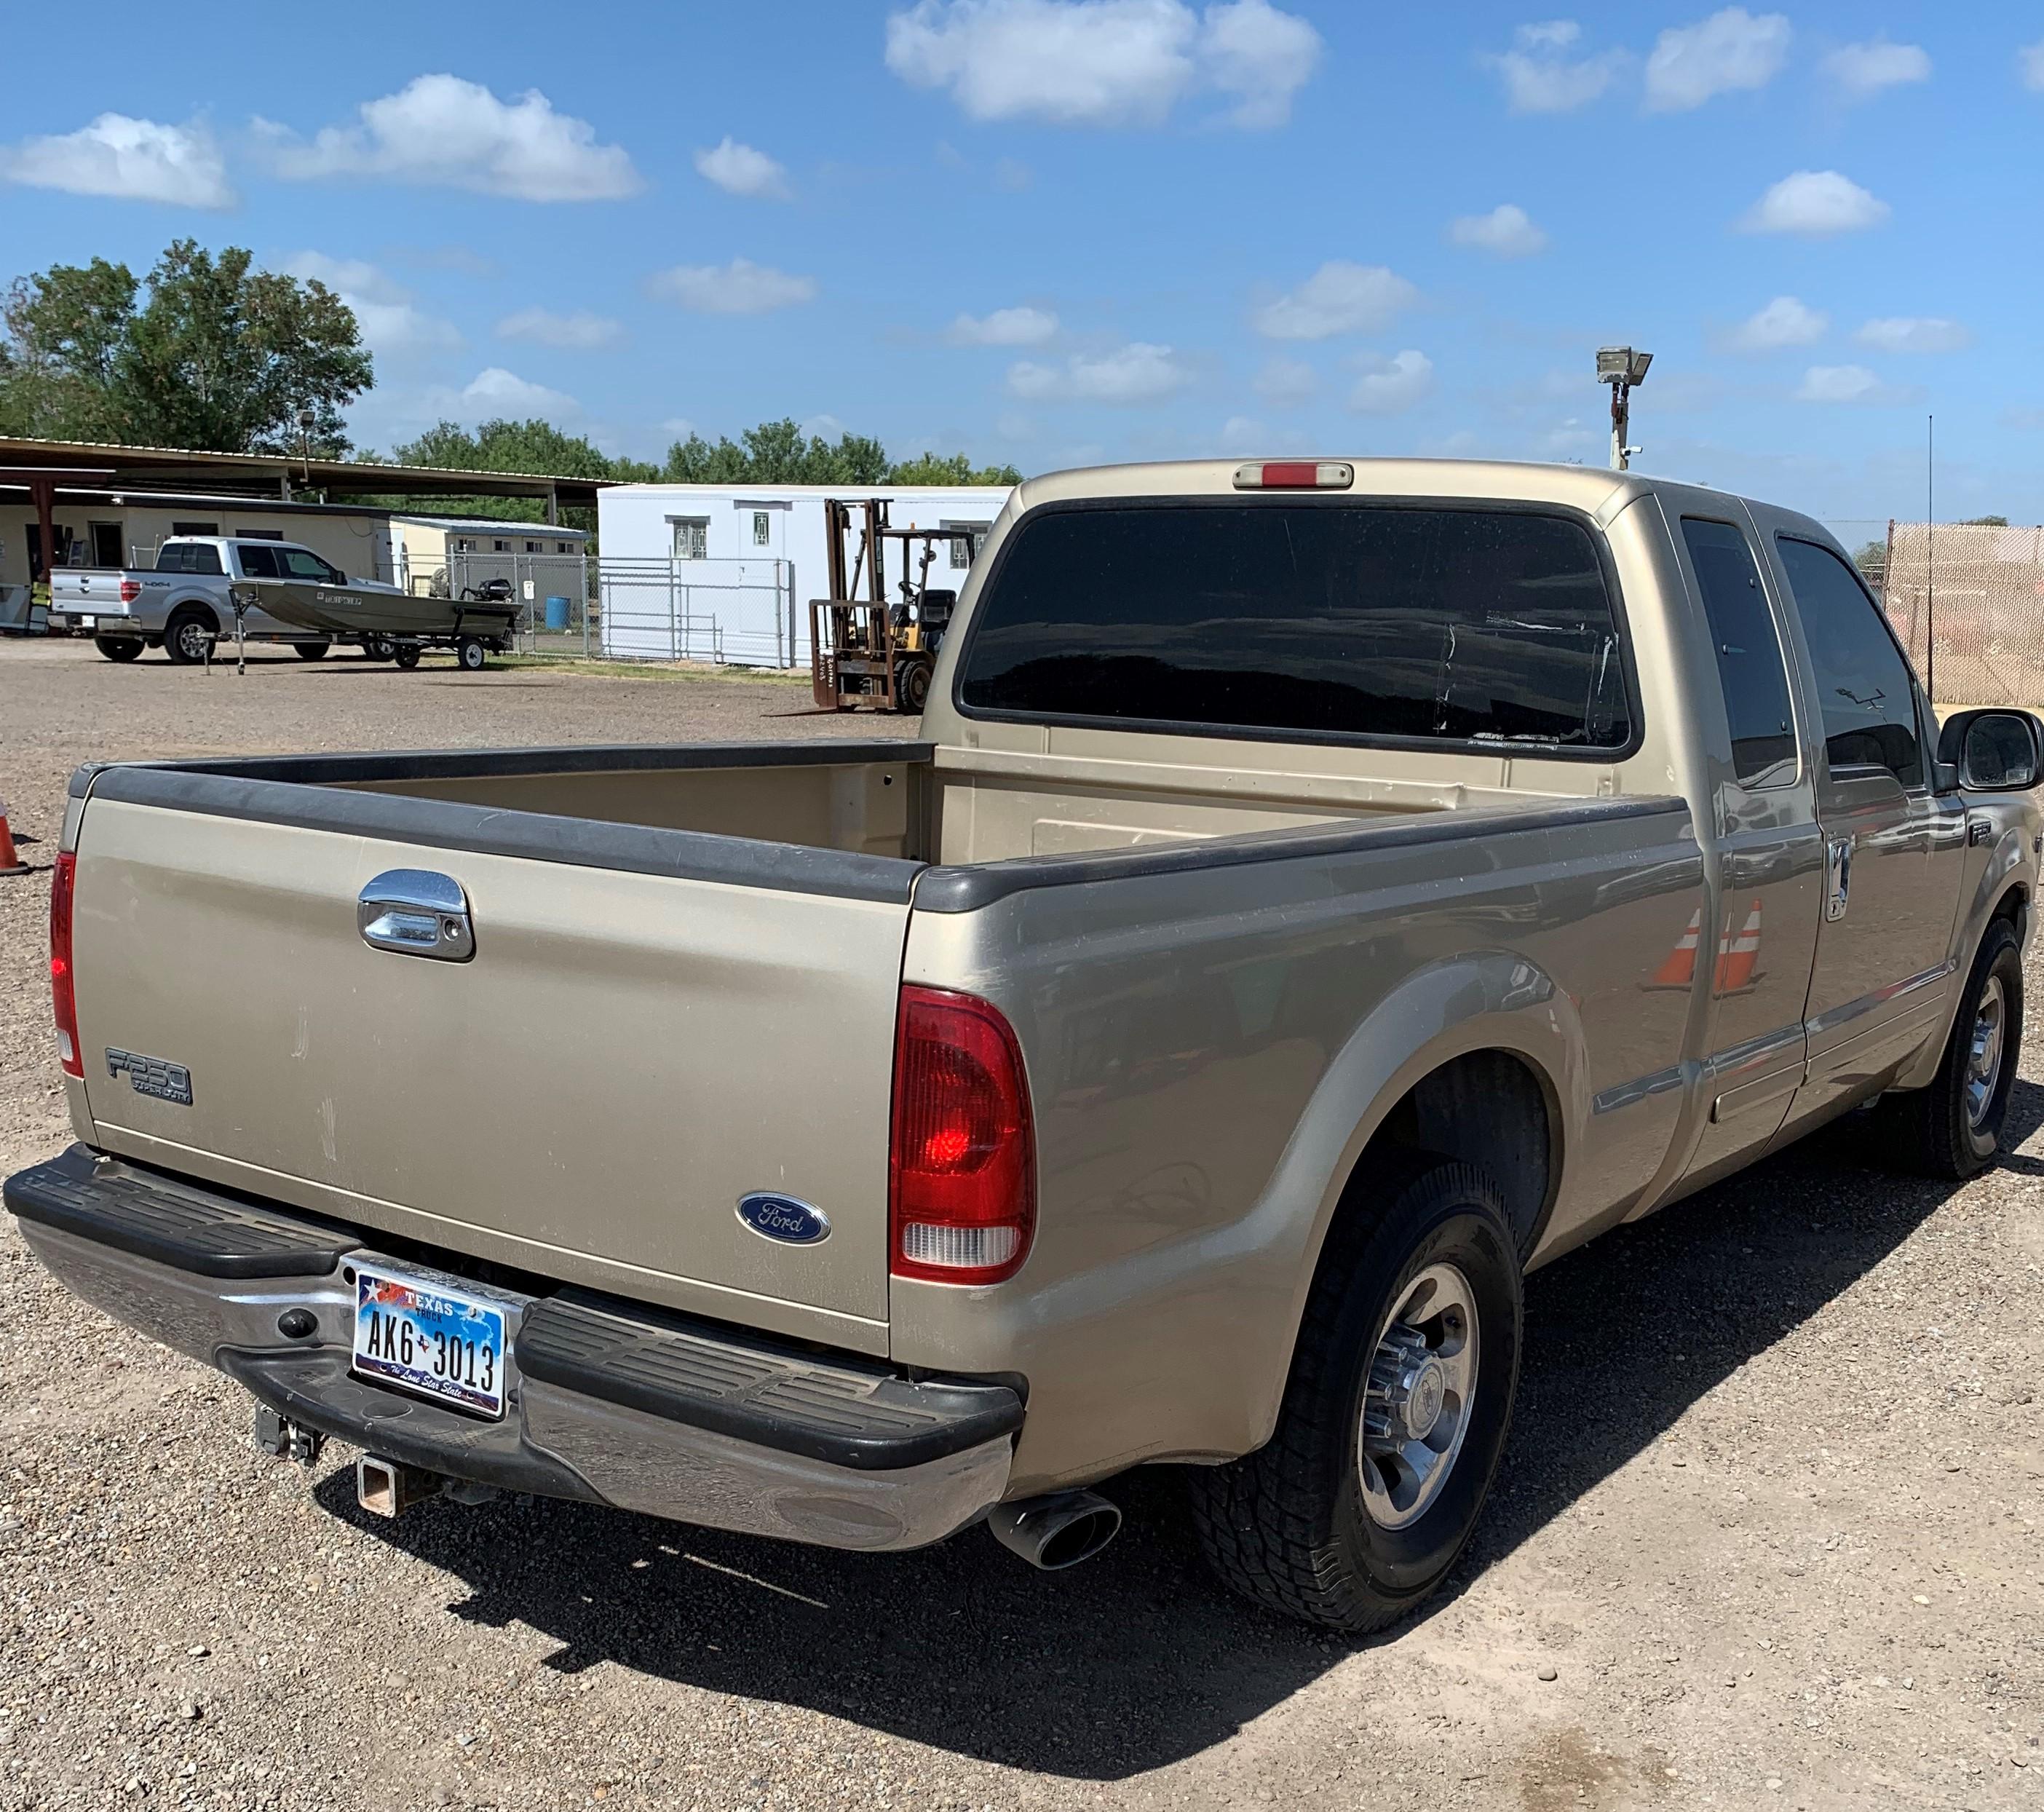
{"points": [[194, 528], [463, 545], [532, 548], [260, 534], [963, 553], [562, 547], [762, 531], [503, 546], [691, 537]]}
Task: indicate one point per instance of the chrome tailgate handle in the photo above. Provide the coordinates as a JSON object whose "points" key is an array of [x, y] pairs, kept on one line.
{"points": [[416, 913]]}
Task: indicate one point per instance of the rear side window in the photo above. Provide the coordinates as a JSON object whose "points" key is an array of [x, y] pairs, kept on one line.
{"points": [[258, 562], [1750, 668], [1863, 683], [192, 557], [1297, 619]]}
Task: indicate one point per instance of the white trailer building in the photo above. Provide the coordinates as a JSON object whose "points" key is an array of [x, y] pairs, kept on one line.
{"points": [[726, 573]]}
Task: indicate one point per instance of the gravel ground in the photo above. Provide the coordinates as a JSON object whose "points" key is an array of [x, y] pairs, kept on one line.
{"points": [[1767, 1520]]}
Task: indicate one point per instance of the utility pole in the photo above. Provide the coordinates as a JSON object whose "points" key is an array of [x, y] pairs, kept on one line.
{"points": [[1622, 368]]}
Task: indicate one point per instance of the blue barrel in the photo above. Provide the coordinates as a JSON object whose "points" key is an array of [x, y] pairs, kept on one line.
{"points": [[557, 615]]}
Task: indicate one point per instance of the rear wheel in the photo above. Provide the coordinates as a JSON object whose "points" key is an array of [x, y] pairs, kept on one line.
{"points": [[405, 654], [1953, 1128], [379, 648], [188, 635], [1395, 1414], [118, 648], [912, 687], [312, 651], [469, 654]]}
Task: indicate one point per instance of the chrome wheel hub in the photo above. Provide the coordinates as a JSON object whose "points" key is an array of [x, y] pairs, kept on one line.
{"points": [[1417, 1401], [1983, 1052]]}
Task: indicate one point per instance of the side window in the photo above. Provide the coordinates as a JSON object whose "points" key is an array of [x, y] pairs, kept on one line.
{"points": [[190, 557], [1751, 667], [1863, 683], [257, 563], [302, 563]]}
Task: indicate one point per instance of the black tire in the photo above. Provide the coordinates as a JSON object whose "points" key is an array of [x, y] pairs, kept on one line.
{"points": [[1289, 1526], [379, 648], [469, 655], [312, 651], [1947, 1129], [406, 655], [187, 634], [118, 648], [911, 690]]}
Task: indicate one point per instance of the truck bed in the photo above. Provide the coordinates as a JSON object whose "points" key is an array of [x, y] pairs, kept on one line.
{"points": [[620, 1059]]}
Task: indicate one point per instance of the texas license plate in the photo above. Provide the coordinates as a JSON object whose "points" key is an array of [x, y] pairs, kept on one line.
{"points": [[424, 1336]]}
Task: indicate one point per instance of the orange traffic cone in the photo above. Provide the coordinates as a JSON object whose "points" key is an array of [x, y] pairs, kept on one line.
{"points": [[1680, 970], [10, 862], [1739, 956]]}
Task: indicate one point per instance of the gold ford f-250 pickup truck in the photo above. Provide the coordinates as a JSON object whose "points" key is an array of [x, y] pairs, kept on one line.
{"points": [[1324, 891]]}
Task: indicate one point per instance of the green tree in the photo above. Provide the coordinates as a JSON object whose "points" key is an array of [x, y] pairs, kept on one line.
{"points": [[1985, 522], [219, 356], [776, 453], [952, 468], [507, 446]]}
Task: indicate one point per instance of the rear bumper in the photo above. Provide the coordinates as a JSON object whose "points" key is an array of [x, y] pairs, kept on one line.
{"points": [[605, 1402]]}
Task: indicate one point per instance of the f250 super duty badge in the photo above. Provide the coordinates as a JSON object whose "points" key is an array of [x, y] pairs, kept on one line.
{"points": [[152, 1075]]}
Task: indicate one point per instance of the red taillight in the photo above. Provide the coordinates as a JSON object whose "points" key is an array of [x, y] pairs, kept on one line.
{"points": [[131, 589], [1295, 475], [63, 995], [962, 1183]]}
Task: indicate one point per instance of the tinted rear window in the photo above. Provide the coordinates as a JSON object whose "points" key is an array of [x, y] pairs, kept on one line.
{"points": [[1319, 620], [190, 558]]}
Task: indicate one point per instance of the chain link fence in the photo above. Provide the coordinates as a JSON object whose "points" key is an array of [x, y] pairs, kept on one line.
{"points": [[1967, 600], [739, 612]]}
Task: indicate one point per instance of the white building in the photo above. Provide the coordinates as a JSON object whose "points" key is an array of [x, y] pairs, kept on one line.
{"points": [[713, 571]]}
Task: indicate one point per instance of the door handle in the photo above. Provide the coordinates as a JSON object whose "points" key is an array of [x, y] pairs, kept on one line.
{"points": [[416, 913], [1838, 875]]}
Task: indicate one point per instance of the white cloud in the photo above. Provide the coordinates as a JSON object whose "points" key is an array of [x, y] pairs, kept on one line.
{"points": [[1104, 62], [1507, 230], [495, 392], [1860, 72], [580, 331], [739, 287], [1262, 57], [1004, 327], [1285, 383], [1729, 50], [441, 130], [2030, 65], [131, 160], [390, 320], [1338, 297], [1242, 434], [738, 170], [1541, 77], [1784, 322], [1136, 373], [1916, 334], [1815, 203], [1389, 386], [1845, 383], [1011, 176]]}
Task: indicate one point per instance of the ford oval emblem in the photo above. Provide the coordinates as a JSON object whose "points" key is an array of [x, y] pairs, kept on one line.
{"points": [[783, 1218]]}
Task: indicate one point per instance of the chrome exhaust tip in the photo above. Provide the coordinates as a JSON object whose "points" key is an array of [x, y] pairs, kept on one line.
{"points": [[1057, 1530]]}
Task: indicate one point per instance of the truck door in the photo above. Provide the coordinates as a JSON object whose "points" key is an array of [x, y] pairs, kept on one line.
{"points": [[1893, 849], [1770, 851]]}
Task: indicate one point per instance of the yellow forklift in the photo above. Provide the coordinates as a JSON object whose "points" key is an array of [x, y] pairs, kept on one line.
{"points": [[874, 652]]}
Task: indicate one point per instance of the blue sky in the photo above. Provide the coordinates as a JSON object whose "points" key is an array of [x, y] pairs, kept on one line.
{"points": [[1055, 233]]}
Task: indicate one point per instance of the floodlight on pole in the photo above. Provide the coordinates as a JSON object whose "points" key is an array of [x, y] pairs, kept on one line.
{"points": [[1621, 368]]}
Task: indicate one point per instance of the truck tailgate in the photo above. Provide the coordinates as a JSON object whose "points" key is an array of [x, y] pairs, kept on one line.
{"points": [[627, 1053]]}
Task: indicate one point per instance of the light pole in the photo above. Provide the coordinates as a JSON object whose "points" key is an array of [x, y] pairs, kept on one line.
{"points": [[1621, 368]]}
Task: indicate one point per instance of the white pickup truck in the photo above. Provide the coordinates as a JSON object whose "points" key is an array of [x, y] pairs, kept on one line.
{"points": [[185, 602]]}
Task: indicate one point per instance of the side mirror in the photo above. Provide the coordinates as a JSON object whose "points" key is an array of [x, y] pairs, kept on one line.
{"points": [[1992, 751]]}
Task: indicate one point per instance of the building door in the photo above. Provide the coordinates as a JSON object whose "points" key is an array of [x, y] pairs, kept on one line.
{"points": [[107, 544], [1893, 850], [1770, 856]]}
